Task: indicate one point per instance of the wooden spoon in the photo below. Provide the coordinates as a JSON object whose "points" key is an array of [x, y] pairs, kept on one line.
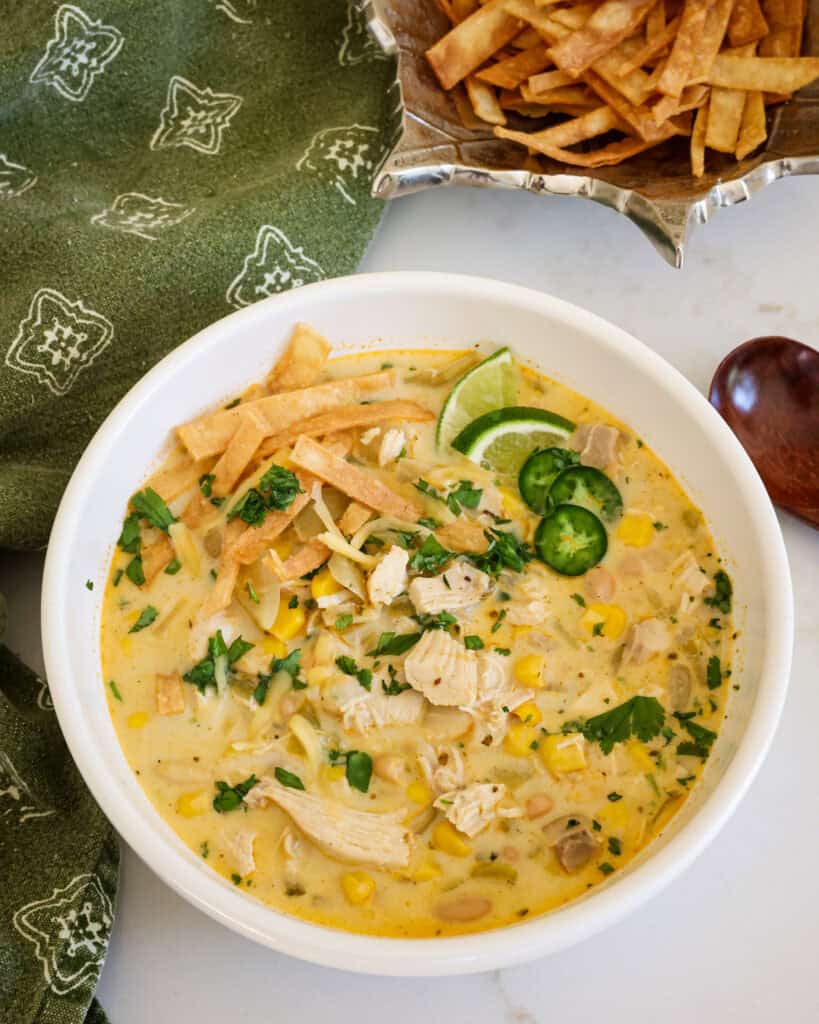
{"points": [[767, 391]]}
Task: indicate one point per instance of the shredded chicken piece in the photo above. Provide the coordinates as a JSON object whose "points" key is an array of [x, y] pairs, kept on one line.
{"points": [[530, 599], [597, 444], [350, 835], [491, 500], [389, 578], [645, 639], [460, 586], [442, 669], [374, 710], [291, 845], [443, 770], [471, 809], [239, 846], [690, 579], [599, 584], [496, 696], [392, 444]]}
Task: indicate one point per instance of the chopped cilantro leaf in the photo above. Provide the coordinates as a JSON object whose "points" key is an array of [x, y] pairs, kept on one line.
{"points": [[442, 620], [642, 717], [238, 649], [233, 404], [89, 585], [343, 622], [348, 666], [723, 593], [505, 551], [204, 850], [251, 592], [394, 688], [499, 621], [293, 602], [614, 797], [505, 651], [206, 484], [228, 798], [250, 508], [117, 577], [287, 778], [279, 487], [260, 693], [713, 673], [150, 506], [580, 600], [658, 526], [605, 867], [473, 643], [615, 846], [430, 556], [393, 644], [146, 617], [429, 522], [114, 689], [465, 495], [173, 567], [700, 743], [597, 628], [129, 538]]}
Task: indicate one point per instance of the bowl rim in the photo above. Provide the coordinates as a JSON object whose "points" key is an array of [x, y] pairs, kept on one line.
{"points": [[481, 951]]}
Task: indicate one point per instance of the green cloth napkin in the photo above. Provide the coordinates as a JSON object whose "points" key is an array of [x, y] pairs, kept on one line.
{"points": [[162, 164]]}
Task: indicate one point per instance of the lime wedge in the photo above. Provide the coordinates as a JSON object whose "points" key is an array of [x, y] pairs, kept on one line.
{"points": [[491, 384], [505, 438]]}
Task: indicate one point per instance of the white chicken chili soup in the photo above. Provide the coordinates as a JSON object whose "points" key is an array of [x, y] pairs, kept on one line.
{"points": [[412, 644]]}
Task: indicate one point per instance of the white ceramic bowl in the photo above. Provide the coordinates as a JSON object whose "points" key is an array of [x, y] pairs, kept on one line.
{"points": [[420, 310]]}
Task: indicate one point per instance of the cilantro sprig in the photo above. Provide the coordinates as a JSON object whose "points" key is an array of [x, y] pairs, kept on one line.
{"points": [[228, 798], [643, 717], [276, 491]]}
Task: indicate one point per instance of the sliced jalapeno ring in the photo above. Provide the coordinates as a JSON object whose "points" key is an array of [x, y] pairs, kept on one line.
{"points": [[539, 472], [586, 486], [571, 540]]}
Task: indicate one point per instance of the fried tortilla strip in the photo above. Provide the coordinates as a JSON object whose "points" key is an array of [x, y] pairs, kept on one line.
{"points": [[639, 118], [678, 67], [725, 109], [463, 8], [221, 593], [307, 559], [156, 556], [575, 95], [614, 153], [655, 23], [693, 97], [652, 48], [302, 361], [764, 74], [747, 23], [170, 694], [253, 541], [463, 535], [484, 101], [464, 110], [753, 130], [698, 141], [549, 80], [710, 42], [252, 430], [353, 518], [349, 417], [612, 22], [574, 17], [360, 486], [590, 125], [509, 73], [465, 47], [197, 510], [211, 434], [171, 480]]}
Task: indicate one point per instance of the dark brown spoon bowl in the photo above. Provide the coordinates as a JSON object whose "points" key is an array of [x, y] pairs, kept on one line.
{"points": [[767, 391]]}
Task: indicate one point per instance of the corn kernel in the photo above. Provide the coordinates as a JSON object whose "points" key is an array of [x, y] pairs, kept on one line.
{"points": [[320, 675], [528, 670], [333, 772], [609, 618], [192, 805], [138, 720], [529, 713], [636, 530], [289, 622], [426, 871], [357, 886], [419, 793], [613, 817], [275, 648], [519, 739], [640, 756], [323, 584], [512, 505], [283, 547], [448, 839], [126, 645], [563, 753]]}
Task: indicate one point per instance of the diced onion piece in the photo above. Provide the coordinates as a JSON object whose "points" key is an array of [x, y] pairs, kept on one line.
{"points": [[268, 714], [267, 588], [335, 542], [185, 547], [347, 575], [380, 526], [309, 739]]}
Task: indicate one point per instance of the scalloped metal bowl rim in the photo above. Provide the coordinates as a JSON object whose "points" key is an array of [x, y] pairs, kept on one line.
{"points": [[142, 828]]}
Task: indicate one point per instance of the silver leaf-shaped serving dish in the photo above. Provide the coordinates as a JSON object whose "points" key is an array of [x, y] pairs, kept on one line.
{"points": [[655, 190]]}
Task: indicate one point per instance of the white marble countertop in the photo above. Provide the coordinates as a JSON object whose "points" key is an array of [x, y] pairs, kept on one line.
{"points": [[736, 937]]}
